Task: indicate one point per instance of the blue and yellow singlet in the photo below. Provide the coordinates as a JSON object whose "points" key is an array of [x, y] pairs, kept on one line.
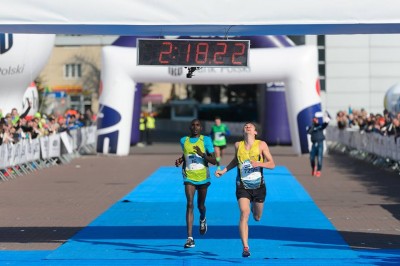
{"points": [[250, 177], [195, 169]]}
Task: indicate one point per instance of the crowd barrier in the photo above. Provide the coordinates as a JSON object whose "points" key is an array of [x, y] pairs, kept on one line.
{"points": [[372, 143], [30, 155]]}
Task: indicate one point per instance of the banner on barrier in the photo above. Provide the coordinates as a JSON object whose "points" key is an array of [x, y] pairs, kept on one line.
{"points": [[54, 145], [384, 146], [67, 141], [45, 147]]}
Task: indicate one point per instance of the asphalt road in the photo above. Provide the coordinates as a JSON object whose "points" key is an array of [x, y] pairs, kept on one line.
{"points": [[43, 209]]}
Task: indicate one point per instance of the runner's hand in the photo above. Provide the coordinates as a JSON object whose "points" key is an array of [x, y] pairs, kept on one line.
{"points": [[219, 173], [255, 163], [178, 161], [198, 151]]}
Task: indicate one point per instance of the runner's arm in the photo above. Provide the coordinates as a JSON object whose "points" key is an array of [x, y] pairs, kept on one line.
{"points": [[268, 160], [233, 163]]}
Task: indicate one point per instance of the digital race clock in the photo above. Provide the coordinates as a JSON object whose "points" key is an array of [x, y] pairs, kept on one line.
{"points": [[199, 53]]}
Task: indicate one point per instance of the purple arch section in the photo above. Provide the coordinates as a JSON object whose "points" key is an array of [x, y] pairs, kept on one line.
{"points": [[275, 123], [275, 131], [109, 118], [137, 104]]}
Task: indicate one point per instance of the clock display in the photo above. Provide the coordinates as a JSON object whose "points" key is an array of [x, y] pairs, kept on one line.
{"points": [[207, 53]]}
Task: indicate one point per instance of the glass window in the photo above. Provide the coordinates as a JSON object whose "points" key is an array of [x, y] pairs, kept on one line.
{"points": [[73, 71]]}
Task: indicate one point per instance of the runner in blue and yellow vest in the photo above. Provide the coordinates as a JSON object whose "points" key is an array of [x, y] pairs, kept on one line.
{"points": [[198, 152], [251, 157]]}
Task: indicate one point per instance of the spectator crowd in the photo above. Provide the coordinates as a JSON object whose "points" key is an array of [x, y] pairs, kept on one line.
{"points": [[385, 124], [15, 127]]}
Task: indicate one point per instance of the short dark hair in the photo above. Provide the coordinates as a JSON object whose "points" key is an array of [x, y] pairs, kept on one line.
{"points": [[196, 119]]}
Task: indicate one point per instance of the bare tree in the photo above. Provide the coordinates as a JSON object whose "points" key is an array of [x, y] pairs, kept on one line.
{"points": [[91, 74]]}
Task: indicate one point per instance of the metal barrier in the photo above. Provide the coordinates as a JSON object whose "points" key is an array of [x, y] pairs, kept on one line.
{"points": [[32, 155], [380, 150]]}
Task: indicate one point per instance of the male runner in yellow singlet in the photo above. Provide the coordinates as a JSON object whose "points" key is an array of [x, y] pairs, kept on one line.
{"points": [[198, 151], [251, 157]]}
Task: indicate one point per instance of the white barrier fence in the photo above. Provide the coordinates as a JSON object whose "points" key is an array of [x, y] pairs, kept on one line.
{"points": [[45, 148], [373, 143]]}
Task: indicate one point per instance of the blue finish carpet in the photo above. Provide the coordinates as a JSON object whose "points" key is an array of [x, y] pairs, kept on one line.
{"points": [[147, 226]]}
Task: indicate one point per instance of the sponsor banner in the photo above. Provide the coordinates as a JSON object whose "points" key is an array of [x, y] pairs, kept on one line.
{"points": [[84, 136], [75, 141], [10, 154], [29, 151], [36, 149], [91, 135], [3, 156], [44, 147], [54, 145], [67, 141], [15, 157], [23, 152]]}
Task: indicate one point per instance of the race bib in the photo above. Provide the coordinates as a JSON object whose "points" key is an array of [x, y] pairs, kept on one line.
{"points": [[248, 172], [219, 136], [194, 162]]}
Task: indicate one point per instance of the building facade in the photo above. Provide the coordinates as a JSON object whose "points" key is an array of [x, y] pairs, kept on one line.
{"points": [[357, 70], [74, 68]]}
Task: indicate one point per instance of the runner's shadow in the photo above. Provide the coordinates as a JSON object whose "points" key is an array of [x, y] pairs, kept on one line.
{"points": [[166, 250], [301, 235]]}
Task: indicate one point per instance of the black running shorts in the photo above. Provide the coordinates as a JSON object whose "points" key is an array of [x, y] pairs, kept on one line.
{"points": [[254, 195], [198, 186]]}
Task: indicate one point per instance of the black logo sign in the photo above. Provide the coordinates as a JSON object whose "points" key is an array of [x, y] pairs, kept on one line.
{"points": [[6, 42]]}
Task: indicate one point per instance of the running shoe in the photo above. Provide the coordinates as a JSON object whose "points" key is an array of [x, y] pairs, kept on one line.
{"points": [[203, 226], [313, 171], [318, 173], [189, 243], [246, 252]]}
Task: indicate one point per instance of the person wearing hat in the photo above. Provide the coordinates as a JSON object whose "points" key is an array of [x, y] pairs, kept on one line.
{"points": [[316, 131], [15, 115]]}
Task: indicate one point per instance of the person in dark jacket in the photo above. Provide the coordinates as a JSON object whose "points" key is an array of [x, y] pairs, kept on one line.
{"points": [[316, 131]]}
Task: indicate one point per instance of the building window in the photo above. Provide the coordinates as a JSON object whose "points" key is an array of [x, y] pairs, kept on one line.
{"points": [[72, 71], [321, 61]]}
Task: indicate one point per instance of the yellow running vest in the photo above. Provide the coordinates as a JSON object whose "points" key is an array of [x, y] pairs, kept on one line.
{"points": [[195, 166], [250, 177]]}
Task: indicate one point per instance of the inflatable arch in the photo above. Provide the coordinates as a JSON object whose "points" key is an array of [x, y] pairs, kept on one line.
{"points": [[22, 57], [296, 66]]}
